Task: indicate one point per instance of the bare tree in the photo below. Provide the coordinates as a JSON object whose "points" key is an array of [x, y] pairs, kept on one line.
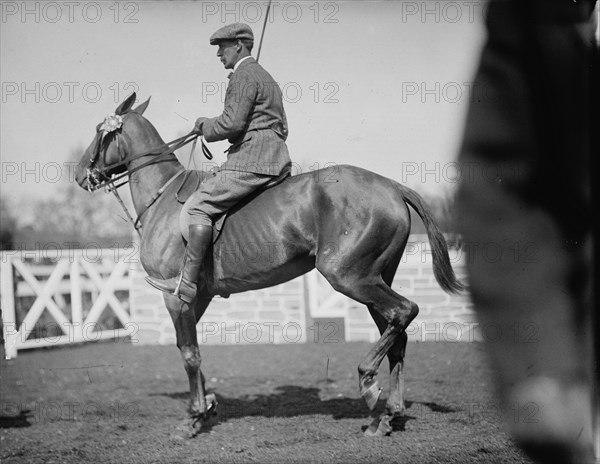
{"points": [[76, 216], [8, 225]]}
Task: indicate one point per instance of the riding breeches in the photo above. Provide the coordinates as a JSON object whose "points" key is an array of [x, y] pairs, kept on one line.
{"points": [[221, 191]]}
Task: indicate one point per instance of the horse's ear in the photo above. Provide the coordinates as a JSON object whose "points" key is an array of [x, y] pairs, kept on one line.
{"points": [[142, 106], [126, 105]]}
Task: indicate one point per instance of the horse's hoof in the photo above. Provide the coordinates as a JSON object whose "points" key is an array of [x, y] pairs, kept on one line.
{"points": [[195, 427], [385, 428], [181, 432], [370, 393], [186, 429], [380, 427], [371, 430], [211, 405]]}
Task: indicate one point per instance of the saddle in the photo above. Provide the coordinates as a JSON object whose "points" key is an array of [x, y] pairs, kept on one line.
{"points": [[191, 182]]}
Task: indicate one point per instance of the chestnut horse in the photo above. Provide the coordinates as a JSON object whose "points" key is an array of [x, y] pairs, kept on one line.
{"points": [[349, 223]]}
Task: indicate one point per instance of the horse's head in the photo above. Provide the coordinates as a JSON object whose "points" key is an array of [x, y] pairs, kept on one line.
{"points": [[109, 152]]}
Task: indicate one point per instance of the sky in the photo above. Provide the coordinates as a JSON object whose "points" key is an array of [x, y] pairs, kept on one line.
{"points": [[380, 84]]}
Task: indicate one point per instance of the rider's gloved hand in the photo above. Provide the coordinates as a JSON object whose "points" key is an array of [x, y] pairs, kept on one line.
{"points": [[199, 122]]}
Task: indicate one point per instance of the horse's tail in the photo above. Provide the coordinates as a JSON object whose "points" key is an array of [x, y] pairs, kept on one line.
{"points": [[442, 269]]}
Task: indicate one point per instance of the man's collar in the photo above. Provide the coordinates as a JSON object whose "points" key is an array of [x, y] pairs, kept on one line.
{"points": [[237, 65]]}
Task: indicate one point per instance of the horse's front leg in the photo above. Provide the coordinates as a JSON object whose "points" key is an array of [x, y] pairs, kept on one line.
{"points": [[185, 318]]}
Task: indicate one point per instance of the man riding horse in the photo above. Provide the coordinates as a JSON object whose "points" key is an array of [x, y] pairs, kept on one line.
{"points": [[255, 124]]}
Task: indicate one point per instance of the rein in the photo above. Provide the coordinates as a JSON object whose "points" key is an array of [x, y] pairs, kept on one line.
{"points": [[94, 174], [165, 155], [137, 225]]}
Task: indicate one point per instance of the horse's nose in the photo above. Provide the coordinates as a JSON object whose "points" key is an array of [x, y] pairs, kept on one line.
{"points": [[81, 177]]}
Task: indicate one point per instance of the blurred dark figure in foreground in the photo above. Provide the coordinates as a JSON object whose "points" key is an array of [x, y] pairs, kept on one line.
{"points": [[525, 210]]}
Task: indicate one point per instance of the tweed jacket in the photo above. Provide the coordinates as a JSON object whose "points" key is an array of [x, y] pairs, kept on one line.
{"points": [[253, 121]]}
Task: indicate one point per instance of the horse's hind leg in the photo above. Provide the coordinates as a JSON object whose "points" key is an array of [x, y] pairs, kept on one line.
{"points": [[393, 343], [394, 408], [394, 313], [185, 320], [395, 404]]}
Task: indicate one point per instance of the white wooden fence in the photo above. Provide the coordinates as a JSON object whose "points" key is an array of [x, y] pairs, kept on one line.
{"points": [[74, 286], [63, 297]]}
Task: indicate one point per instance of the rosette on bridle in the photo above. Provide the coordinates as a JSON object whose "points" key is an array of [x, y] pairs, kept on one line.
{"points": [[111, 123]]}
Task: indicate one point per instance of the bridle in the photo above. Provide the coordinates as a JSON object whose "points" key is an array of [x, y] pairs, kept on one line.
{"points": [[101, 178]]}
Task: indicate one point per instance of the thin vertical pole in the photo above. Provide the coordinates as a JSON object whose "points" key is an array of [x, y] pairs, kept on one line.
{"points": [[262, 34]]}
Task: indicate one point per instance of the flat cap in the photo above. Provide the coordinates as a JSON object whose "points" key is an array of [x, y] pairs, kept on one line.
{"points": [[233, 31]]}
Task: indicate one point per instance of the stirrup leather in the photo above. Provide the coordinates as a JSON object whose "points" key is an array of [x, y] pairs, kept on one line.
{"points": [[178, 286]]}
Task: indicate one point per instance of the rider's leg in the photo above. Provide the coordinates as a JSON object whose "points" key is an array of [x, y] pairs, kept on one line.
{"points": [[184, 285], [217, 194], [200, 216]]}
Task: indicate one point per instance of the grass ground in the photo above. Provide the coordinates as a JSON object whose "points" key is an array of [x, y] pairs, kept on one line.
{"points": [[121, 403]]}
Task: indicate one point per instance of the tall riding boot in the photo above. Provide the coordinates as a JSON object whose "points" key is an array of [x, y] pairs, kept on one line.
{"points": [[184, 285]]}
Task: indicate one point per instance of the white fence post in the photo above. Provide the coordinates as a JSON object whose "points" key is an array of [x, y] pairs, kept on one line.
{"points": [[9, 319], [76, 300]]}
